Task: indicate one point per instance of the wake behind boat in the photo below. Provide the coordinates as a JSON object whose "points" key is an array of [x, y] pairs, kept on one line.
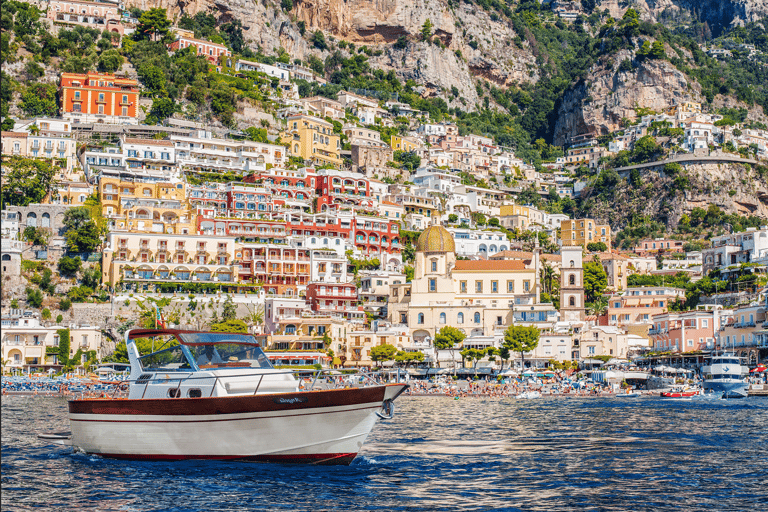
{"points": [[199, 395]]}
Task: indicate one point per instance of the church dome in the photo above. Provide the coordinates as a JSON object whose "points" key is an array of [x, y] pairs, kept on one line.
{"points": [[435, 239]]}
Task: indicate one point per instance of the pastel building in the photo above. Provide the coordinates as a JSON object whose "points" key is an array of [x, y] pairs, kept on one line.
{"points": [[99, 15], [99, 98]]}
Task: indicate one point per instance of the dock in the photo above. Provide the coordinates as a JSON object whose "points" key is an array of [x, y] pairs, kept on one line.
{"points": [[757, 390]]}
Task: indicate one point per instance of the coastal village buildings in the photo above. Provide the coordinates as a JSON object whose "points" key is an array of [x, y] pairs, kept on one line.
{"points": [[295, 225], [688, 331]]}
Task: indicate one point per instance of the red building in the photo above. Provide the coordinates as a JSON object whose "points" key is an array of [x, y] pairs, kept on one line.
{"points": [[99, 98], [281, 270], [339, 298], [211, 51]]}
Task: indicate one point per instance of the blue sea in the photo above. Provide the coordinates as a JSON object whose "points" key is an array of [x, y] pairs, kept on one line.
{"points": [[436, 454]]}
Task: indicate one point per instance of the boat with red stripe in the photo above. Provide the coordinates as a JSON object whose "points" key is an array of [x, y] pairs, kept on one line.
{"points": [[204, 395]]}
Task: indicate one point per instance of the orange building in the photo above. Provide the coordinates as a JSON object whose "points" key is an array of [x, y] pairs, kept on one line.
{"points": [[99, 98]]}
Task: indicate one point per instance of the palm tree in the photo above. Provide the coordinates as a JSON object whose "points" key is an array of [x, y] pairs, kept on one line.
{"points": [[599, 306], [547, 276]]}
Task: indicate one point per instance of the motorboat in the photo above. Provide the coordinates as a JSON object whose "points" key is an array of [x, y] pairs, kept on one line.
{"points": [[679, 394], [205, 395], [725, 374], [627, 395], [528, 395]]}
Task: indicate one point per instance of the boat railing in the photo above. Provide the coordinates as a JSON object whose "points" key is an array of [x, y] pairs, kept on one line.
{"points": [[360, 378]]}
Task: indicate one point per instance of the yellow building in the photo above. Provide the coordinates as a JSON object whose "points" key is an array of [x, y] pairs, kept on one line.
{"points": [[146, 207], [406, 144], [584, 232], [141, 261], [312, 138]]}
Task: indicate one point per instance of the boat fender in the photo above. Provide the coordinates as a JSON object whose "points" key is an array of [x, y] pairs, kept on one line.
{"points": [[387, 411]]}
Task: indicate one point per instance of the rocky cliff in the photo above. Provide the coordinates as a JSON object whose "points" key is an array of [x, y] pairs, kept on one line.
{"points": [[597, 106], [718, 14], [735, 188], [492, 55]]}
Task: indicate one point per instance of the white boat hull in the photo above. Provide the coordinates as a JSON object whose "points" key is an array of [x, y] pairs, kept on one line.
{"points": [[327, 427]]}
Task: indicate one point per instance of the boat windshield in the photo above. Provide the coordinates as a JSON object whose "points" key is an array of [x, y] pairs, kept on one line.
{"points": [[225, 350]]}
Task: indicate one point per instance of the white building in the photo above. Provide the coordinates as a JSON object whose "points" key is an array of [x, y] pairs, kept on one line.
{"points": [[470, 242], [205, 153], [273, 71]]}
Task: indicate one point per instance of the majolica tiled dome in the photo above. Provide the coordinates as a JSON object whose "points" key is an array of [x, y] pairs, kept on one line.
{"points": [[435, 239]]}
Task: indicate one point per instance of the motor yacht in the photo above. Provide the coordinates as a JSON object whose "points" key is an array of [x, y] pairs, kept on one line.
{"points": [[201, 395], [725, 374]]}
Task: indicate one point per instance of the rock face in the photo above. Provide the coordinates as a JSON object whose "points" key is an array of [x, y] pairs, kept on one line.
{"points": [[719, 14], [378, 24], [598, 106], [734, 188]]}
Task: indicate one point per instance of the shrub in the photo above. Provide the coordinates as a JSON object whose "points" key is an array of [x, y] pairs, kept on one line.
{"points": [[65, 304]]}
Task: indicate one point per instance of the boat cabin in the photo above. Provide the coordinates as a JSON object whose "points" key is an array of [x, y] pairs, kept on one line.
{"points": [[169, 363]]}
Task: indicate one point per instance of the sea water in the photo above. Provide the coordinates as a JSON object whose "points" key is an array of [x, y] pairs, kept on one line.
{"points": [[436, 454]]}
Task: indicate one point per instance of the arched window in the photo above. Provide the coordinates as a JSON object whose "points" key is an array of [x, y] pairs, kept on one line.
{"points": [[572, 264], [460, 318], [420, 318], [442, 318], [572, 301], [572, 280], [477, 318]]}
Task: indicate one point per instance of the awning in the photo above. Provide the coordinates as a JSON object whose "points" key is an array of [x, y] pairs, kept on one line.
{"points": [[646, 300], [632, 302]]}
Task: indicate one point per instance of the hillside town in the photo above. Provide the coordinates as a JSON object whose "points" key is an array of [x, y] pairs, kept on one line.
{"points": [[341, 226]]}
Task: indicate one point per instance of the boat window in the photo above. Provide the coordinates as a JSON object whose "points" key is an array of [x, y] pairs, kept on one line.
{"points": [[221, 350], [224, 355], [171, 358]]}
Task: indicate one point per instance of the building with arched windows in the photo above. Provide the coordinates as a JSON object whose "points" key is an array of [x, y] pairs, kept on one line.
{"points": [[481, 298]]}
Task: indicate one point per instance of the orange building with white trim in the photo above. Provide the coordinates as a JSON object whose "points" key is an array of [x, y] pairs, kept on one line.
{"points": [[99, 98]]}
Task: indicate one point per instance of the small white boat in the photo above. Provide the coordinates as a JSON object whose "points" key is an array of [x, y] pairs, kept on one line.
{"points": [[627, 395], [197, 395], [528, 395]]}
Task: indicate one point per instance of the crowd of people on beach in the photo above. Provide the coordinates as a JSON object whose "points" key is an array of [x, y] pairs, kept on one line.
{"points": [[509, 387]]}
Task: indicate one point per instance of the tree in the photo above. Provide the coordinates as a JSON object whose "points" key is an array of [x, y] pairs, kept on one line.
{"points": [[69, 267], [162, 108], [39, 99], [519, 338], [46, 314], [504, 354], [65, 304], [64, 341], [426, 29], [229, 310], [408, 357], [318, 40], [35, 236], [646, 149], [92, 276], [453, 218], [82, 233], [595, 280], [385, 352], [110, 61], [26, 180], [597, 247], [286, 5], [448, 338], [232, 325], [34, 298], [153, 22], [657, 50]]}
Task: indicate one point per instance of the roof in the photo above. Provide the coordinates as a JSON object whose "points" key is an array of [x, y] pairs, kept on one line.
{"points": [[151, 142], [17, 135], [611, 256], [435, 239], [512, 255], [480, 265], [552, 257]]}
